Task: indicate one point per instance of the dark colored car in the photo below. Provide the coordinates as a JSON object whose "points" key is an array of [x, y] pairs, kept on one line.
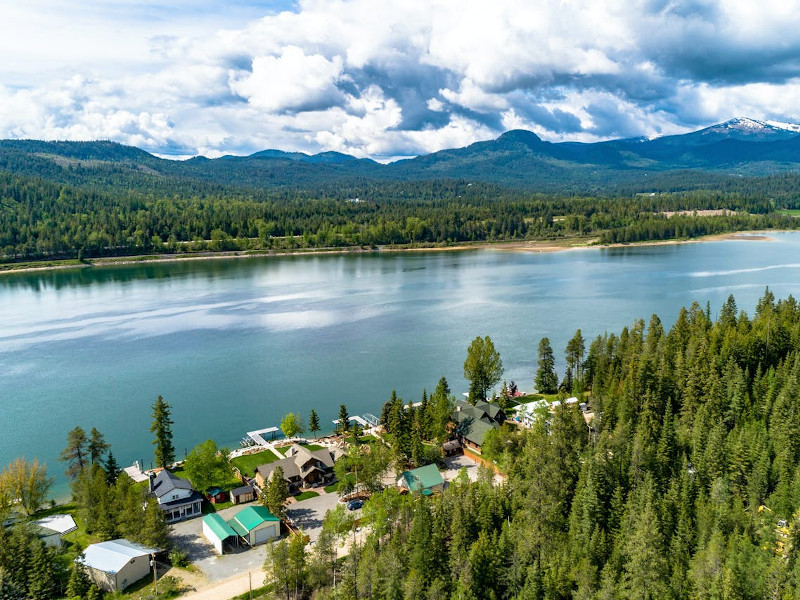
{"points": [[355, 504]]}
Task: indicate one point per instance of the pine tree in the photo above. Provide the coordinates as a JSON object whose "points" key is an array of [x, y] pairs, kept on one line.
{"points": [[162, 428], [546, 378], [41, 573], [276, 493], [343, 426], [97, 446], [78, 583], [75, 453], [154, 531], [483, 367], [313, 422], [112, 469]]}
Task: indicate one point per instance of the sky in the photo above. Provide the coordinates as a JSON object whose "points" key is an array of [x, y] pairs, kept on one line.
{"points": [[388, 78]]}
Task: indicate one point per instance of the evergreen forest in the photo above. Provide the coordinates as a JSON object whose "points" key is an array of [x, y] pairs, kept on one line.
{"points": [[685, 485]]}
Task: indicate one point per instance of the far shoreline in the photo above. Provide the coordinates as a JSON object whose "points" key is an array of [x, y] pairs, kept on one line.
{"points": [[532, 246]]}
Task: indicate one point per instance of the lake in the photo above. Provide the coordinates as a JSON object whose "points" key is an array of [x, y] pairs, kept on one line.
{"points": [[233, 345]]}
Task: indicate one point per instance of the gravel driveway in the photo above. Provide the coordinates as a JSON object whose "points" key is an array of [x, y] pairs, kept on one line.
{"points": [[308, 514], [188, 535]]}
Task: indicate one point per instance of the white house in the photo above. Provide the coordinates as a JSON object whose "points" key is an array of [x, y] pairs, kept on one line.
{"points": [[51, 529], [529, 413], [116, 564], [176, 496]]}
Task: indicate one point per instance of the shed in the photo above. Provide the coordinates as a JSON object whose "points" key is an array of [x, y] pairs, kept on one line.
{"points": [[425, 479], [116, 564], [451, 447], [255, 525], [217, 531], [246, 493], [216, 495]]}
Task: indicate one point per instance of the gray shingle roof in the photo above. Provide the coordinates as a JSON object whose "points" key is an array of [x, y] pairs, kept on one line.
{"points": [[165, 482]]}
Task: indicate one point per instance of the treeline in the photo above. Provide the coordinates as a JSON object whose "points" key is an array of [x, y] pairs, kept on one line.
{"points": [[686, 484], [42, 220]]}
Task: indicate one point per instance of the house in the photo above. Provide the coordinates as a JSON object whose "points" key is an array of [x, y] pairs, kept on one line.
{"points": [[425, 480], [50, 537], [116, 564], [529, 413], [255, 525], [51, 529], [246, 493], [176, 496], [473, 422], [218, 532], [215, 495], [302, 468]]}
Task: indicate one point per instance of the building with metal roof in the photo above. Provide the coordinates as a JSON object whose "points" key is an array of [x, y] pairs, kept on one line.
{"points": [[116, 564], [255, 525], [218, 532], [425, 480]]}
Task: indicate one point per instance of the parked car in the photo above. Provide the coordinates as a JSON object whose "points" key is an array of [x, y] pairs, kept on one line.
{"points": [[355, 504]]}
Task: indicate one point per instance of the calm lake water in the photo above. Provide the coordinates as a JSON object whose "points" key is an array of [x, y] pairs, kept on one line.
{"points": [[233, 345]]}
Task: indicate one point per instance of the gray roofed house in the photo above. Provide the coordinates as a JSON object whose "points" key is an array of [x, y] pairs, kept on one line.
{"points": [[176, 496], [473, 422], [301, 467]]}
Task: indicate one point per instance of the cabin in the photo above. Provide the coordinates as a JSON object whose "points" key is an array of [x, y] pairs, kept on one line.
{"points": [[302, 468], [176, 496], [245, 493], [473, 422], [255, 525], [529, 413], [116, 564], [425, 480]]}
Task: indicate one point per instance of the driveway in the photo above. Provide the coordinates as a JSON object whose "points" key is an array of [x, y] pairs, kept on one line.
{"points": [[188, 535], [308, 514], [456, 463]]}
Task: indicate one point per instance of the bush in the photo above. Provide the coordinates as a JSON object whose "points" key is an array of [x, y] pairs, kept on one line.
{"points": [[178, 558]]}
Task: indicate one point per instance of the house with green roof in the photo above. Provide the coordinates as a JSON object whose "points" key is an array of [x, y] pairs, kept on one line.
{"points": [[473, 422], [218, 532], [255, 525], [425, 480]]}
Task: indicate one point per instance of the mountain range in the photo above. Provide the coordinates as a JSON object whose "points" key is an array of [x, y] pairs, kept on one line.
{"points": [[516, 159]]}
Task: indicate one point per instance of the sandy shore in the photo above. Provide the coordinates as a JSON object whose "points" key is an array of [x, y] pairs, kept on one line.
{"points": [[558, 245]]}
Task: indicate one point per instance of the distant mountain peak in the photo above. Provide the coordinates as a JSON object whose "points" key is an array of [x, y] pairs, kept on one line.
{"points": [[520, 135]]}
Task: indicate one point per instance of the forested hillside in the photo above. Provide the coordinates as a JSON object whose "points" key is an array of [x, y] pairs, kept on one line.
{"points": [[42, 219], [687, 485]]}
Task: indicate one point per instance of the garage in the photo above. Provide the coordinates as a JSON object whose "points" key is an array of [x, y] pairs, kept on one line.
{"points": [[218, 532], [255, 525]]}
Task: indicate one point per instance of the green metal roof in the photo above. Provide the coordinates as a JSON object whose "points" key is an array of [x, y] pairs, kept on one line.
{"points": [[423, 478], [218, 525], [251, 517]]}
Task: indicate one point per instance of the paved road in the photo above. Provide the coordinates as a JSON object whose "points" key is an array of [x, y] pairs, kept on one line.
{"points": [[308, 514]]}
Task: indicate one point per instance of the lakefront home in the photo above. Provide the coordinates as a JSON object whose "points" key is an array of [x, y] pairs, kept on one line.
{"points": [[176, 496], [473, 422], [302, 468]]}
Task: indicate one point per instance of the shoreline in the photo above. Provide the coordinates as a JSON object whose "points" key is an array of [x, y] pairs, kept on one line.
{"points": [[533, 246]]}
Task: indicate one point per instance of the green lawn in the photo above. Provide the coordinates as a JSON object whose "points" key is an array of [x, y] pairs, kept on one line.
{"points": [[247, 463], [306, 496], [334, 487], [310, 447], [791, 212]]}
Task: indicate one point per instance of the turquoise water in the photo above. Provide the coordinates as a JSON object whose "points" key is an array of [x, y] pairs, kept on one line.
{"points": [[233, 345]]}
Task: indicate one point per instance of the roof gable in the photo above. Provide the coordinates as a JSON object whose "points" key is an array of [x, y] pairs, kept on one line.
{"points": [[251, 517], [165, 482]]}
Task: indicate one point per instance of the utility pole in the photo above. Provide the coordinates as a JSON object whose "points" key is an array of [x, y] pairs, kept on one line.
{"points": [[155, 568], [250, 581]]}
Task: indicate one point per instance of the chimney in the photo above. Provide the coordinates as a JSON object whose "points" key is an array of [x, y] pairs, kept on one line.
{"points": [[151, 478]]}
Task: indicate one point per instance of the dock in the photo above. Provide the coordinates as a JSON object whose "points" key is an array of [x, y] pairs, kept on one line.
{"points": [[258, 435], [360, 420]]}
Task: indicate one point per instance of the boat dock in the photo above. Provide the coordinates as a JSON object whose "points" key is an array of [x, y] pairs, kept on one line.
{"points": [[258, 435]]}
